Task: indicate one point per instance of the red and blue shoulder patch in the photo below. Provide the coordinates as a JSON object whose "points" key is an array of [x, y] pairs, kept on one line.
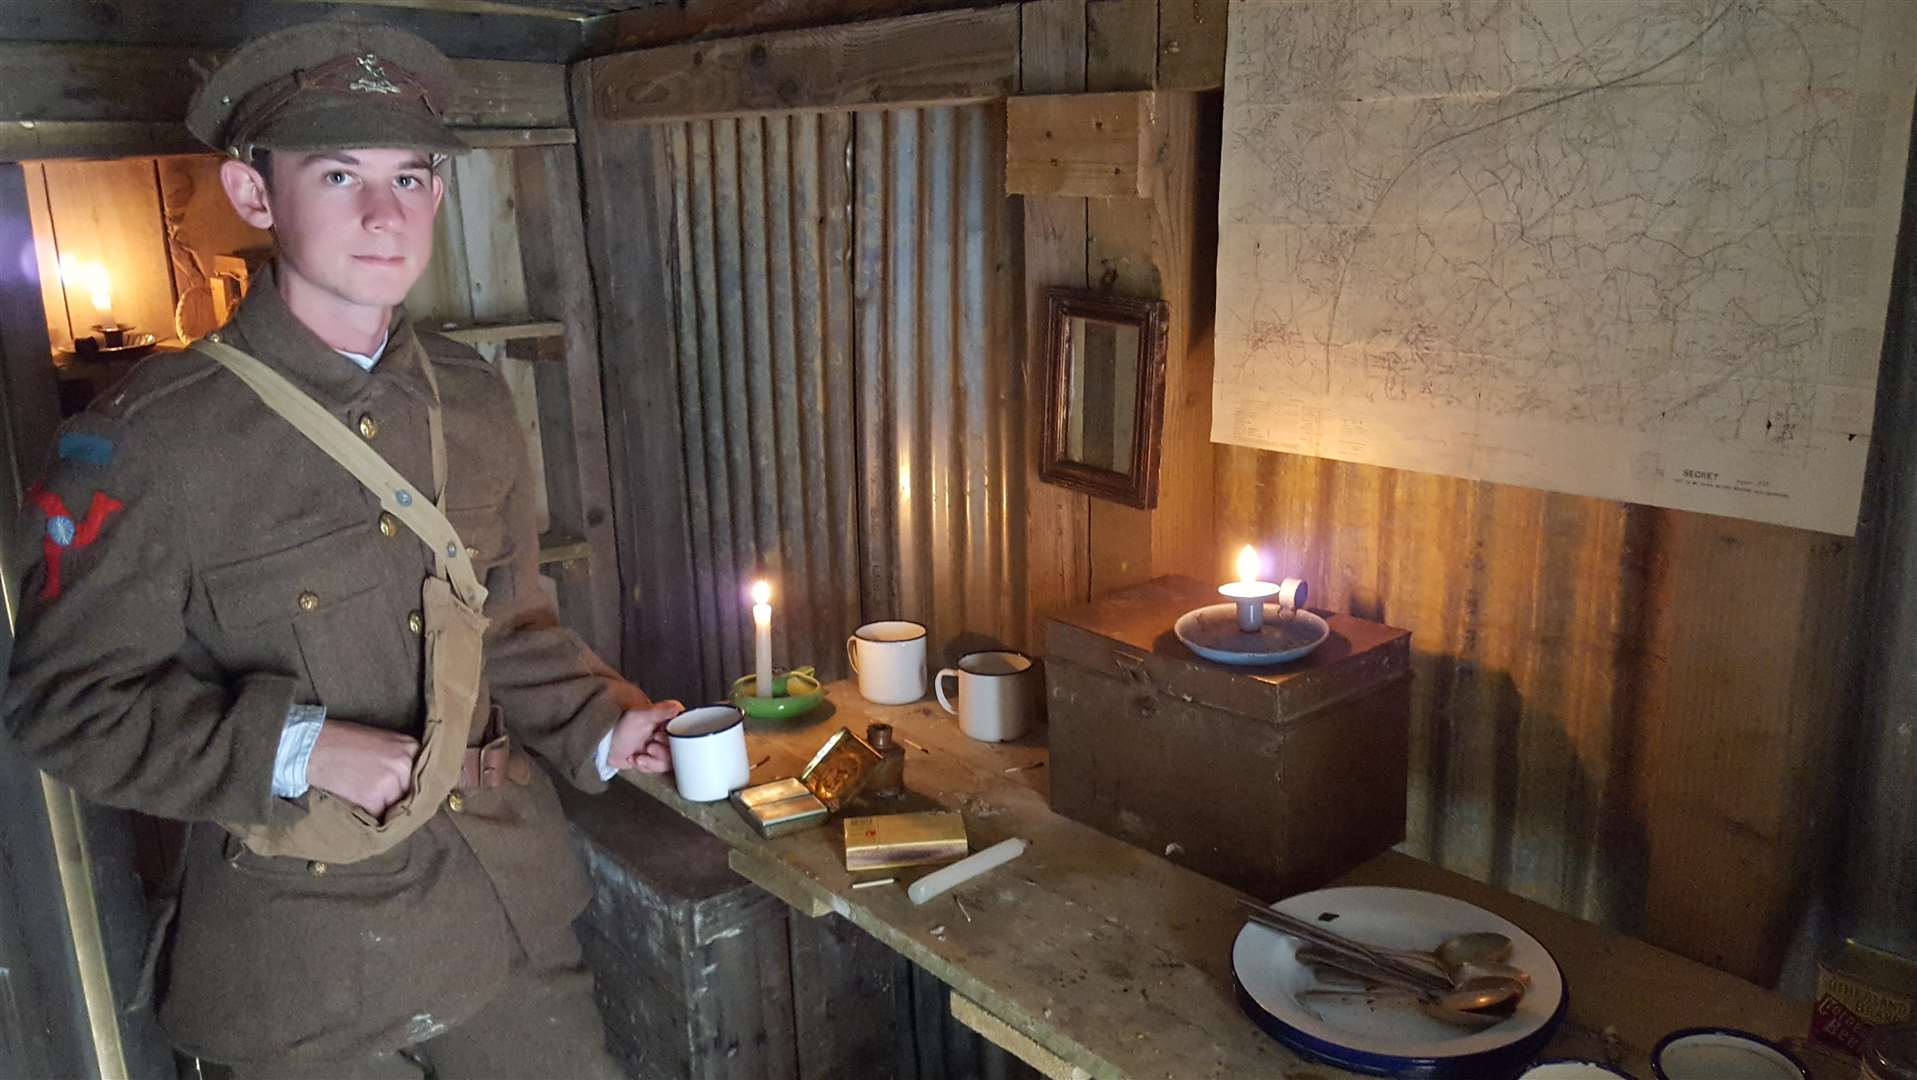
{"points": [[63, 532]]}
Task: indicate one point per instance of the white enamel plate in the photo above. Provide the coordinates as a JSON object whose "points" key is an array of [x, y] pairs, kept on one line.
{"points": [[1388, 1036]]}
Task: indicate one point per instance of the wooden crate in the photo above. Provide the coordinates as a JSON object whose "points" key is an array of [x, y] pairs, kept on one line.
{"points": [[1274, 780], [691, 961]]}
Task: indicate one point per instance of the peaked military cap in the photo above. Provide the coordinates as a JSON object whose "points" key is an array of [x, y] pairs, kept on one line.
{"points": [[330, 84]]}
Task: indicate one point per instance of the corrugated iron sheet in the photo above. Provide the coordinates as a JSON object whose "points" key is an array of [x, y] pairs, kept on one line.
{"points": [[848, 377], [1625, 712], [1878, 899]]}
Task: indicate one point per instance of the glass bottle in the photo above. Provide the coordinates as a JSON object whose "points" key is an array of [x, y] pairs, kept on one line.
{"points": [[888, 776], [1890, 1053]]}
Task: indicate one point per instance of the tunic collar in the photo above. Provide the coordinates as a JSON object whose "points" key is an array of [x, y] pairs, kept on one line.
{"points": [[269, 330]]}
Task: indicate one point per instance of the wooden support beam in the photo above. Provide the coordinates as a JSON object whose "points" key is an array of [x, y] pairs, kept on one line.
{"points": [[1151, 248], [696, 20], [1057, 520], [29, 397], [640, 381], [1013, 1041], [514, 138], [111, 100], [1191, 44], [943, 58], [505, 93], [222, 24], [552, 256], [1092, 145], [1121, 44], [805, 897]]}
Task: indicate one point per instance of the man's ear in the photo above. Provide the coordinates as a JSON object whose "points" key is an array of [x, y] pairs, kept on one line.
{"points": [[246, 190], [439, 191]]}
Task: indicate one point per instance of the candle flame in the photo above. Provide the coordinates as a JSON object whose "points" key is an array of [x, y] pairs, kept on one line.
{"points": [[1248, 564], [761, 592], [92, 277]]}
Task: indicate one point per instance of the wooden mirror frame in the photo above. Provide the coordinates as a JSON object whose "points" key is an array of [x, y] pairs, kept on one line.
{"points": [[1139, 487]]}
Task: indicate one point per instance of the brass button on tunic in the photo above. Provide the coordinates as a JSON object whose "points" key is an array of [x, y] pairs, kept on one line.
{"points": [[368, 427], [456, 802], [416, 623], [308, 601], [316, 868], [388, 524]]}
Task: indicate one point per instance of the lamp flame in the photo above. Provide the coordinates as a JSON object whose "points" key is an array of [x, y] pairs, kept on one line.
{"points": [[1248, 564], [91, 276], [761, 592]]}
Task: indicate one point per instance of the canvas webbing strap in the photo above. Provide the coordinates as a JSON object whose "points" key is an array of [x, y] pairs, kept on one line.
{"points": [[395, 493]]}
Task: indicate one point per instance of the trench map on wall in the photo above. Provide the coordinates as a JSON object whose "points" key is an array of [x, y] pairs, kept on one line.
{"points": [[1636, 249]]}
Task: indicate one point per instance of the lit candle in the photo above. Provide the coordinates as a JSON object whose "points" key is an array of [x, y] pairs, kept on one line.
{"points": [[1248, 592], [762, 622]]}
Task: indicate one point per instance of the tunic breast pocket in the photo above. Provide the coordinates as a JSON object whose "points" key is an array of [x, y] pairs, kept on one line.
{"points": [[483, 530], [327, 607]]}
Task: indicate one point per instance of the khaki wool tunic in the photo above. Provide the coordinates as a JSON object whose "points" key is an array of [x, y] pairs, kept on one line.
{"points": [[246, 572]]}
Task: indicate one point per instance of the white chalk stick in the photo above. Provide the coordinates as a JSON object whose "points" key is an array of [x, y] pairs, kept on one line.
{"points": [[965, 869]]}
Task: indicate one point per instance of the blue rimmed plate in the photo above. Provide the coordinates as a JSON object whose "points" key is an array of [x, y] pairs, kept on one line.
{"points": [[1383, 1039]]}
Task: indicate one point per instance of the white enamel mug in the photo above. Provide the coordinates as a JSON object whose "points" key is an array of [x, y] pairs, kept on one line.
{"points": [[997, 696], [708, 752], [889, 658]]}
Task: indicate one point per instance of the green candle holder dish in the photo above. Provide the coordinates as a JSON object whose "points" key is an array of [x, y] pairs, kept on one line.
{"points": [[794, 693]]}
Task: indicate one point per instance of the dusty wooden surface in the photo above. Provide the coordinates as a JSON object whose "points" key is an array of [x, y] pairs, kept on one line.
{"points": [[1118, 961]]}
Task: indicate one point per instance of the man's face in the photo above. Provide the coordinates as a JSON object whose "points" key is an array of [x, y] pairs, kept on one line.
{"points": [[357, 224]]}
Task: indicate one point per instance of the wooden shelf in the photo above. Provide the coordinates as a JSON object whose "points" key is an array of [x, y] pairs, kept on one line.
{"points": [[490, 333], [558, 547]]}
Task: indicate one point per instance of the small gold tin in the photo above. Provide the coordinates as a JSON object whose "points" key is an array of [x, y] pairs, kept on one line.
{"points": [[840, 769], [890, 841], [779, 807]]}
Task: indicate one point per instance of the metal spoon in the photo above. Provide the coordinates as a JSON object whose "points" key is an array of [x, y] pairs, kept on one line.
{"points": [[1478, 993], [1464, 1018], [1483, 947]]}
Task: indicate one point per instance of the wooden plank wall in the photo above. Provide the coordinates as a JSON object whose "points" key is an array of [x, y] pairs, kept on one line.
{"points": [[1624, 712], [105, 212], [531, 304]]}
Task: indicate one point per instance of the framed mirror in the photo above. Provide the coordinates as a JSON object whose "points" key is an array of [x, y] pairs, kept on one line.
{"points": [[1106, 399]]}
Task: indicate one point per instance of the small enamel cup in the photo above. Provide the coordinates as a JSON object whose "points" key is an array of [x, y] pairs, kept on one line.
{"points": [[1715, 1053], [708, 752], [889, 658], [996, 696]]}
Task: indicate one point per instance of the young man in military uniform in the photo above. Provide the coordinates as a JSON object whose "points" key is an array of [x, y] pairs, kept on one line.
{"points": [[289, 584]]}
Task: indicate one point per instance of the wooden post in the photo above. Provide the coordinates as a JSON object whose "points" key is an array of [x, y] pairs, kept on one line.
{"points": [[578, 473], [642, 401], [1057, 521], [27, 387]]}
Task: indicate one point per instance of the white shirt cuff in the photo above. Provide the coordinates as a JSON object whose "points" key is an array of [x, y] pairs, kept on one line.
{"points": [[602, 756], [303, 723]]}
